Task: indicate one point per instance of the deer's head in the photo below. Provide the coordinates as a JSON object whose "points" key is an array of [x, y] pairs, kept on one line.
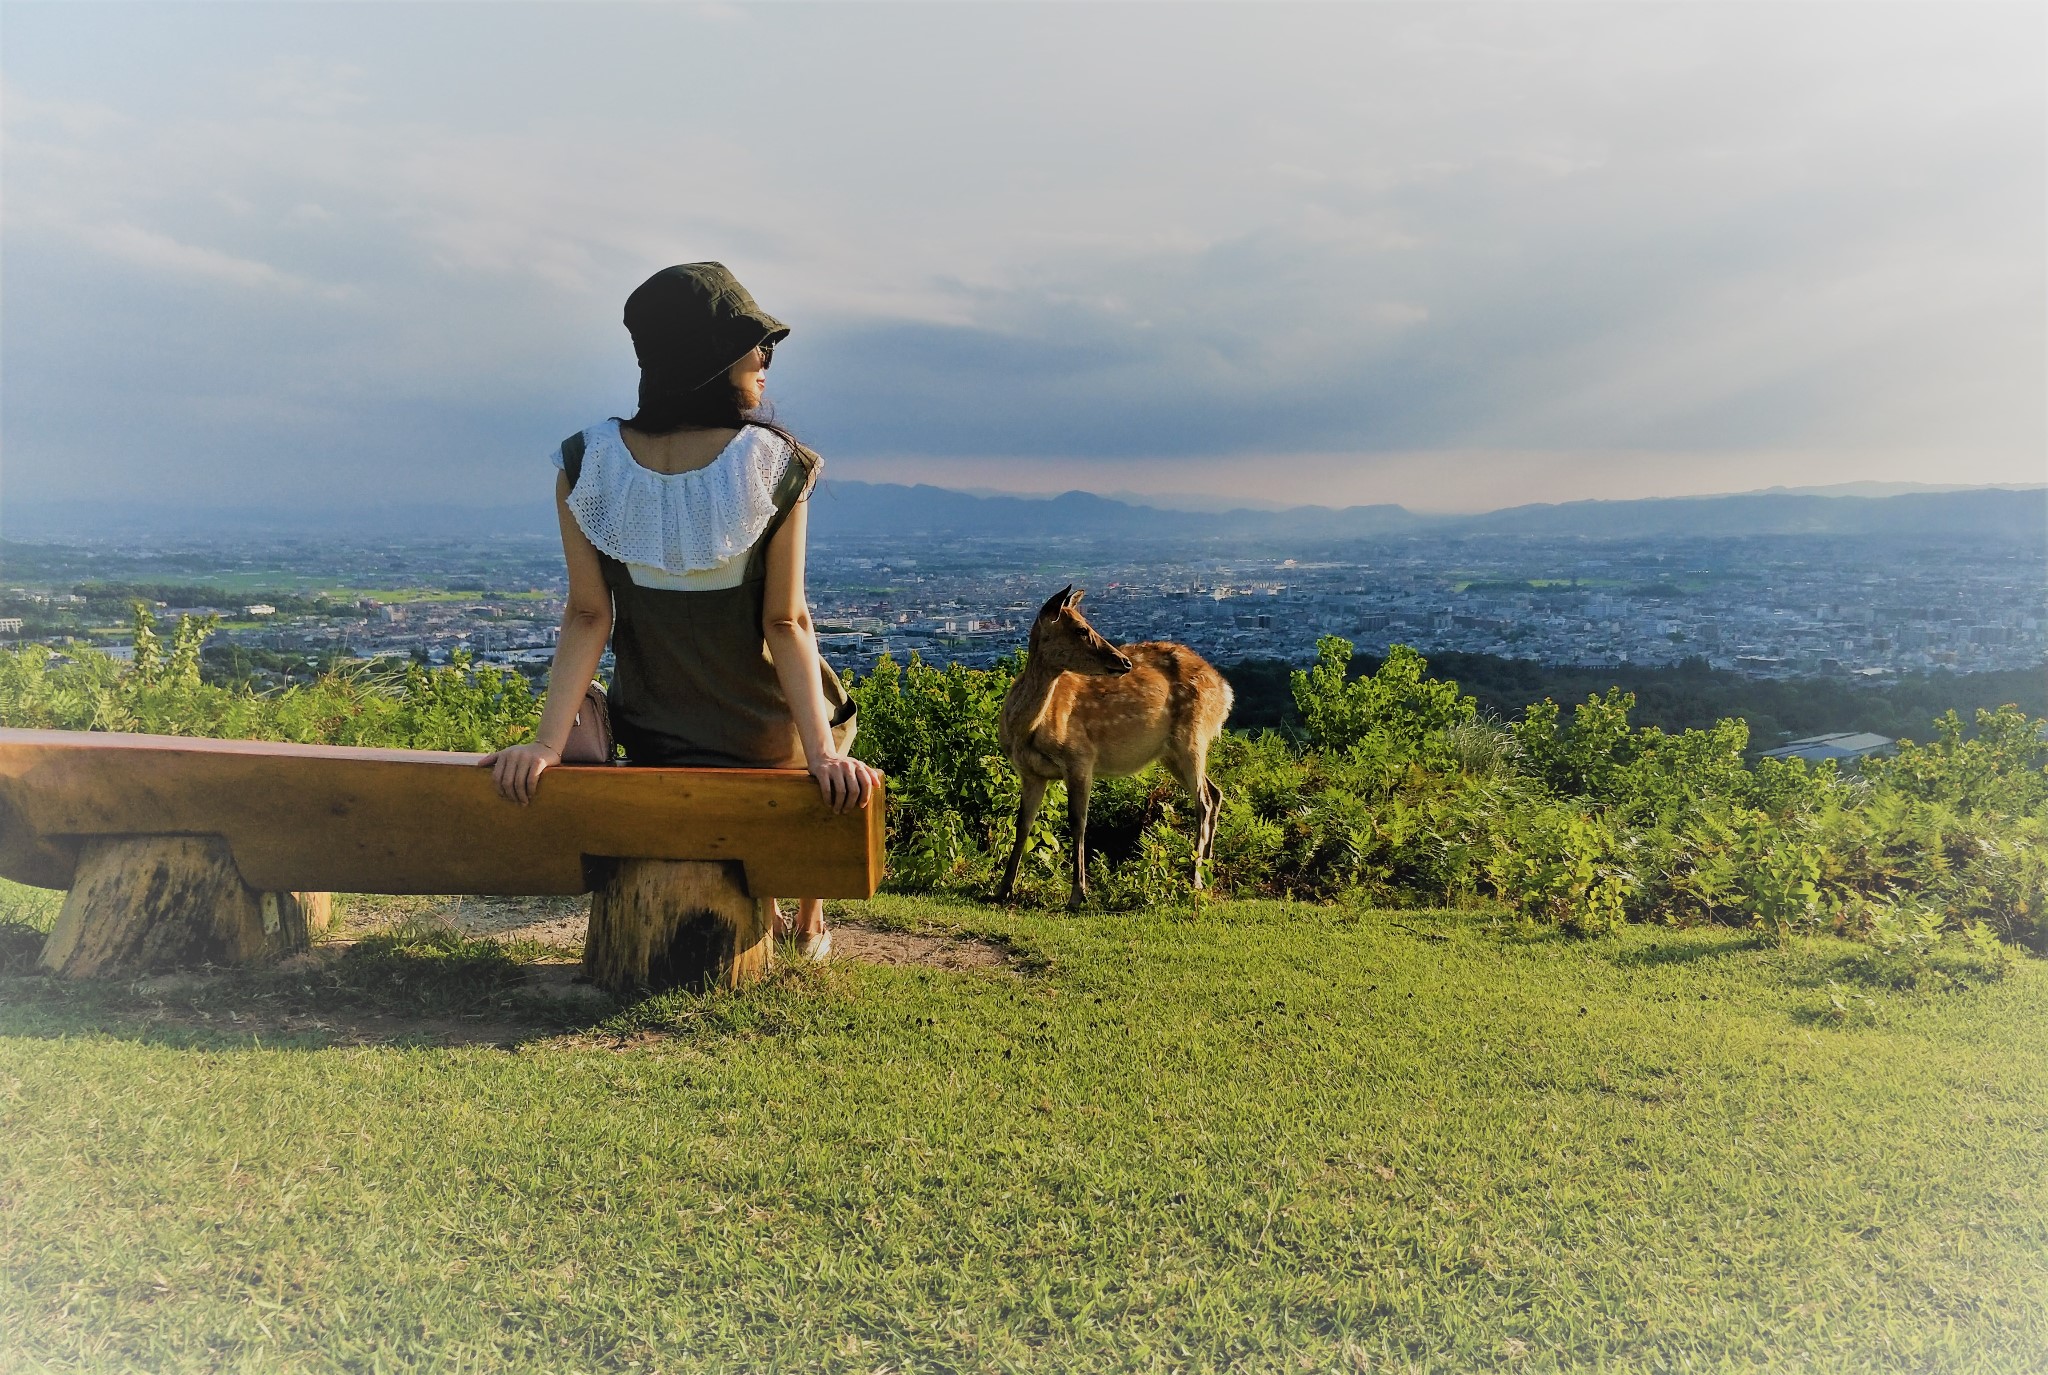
{"points": [[1063, 641]]}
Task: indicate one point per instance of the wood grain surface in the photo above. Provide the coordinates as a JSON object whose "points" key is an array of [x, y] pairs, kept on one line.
{"points": [[329, 817], [144, 903], [657, 923]]}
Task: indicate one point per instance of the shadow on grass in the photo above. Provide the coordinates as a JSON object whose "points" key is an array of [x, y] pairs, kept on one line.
{"points": [[1843, 969], [1679, 952], [418, 984], [1949, 967], [20, 946]]}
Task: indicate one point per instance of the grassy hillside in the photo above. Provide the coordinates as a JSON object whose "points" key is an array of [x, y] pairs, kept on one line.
{"points": [[1264, 1137]]}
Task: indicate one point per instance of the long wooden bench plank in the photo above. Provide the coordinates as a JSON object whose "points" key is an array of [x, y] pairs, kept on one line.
{"points": [[329, 817]]}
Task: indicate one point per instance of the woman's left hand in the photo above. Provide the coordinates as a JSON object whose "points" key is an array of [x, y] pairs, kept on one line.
{"points": [[846, 783]]}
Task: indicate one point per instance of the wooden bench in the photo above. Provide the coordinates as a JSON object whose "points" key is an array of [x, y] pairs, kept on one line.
{"points": [[178, 851]]}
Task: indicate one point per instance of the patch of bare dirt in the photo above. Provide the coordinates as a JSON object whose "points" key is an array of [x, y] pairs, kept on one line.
{"points": [[853, 941], [559, 923], [554, 922], [550, 921], [553, 1001]]}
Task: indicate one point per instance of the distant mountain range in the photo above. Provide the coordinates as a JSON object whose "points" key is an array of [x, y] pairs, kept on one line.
{"points": [[1878, 489], [886, 510], [862, 509]]}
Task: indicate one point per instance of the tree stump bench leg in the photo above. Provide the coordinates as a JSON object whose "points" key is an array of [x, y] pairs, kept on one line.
{"points": [[659, 923], [144, 903]]}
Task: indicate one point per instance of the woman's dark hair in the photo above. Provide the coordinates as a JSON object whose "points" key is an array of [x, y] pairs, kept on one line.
{"points": [[713, 406]]}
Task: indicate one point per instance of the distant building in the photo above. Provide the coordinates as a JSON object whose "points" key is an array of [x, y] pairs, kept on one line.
{"points": [[1842, 745], [260, 609], [10, 625]]}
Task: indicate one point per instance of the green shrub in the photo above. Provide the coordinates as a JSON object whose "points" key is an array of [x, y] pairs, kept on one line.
{"points": [[1586, 756], [2003, 768], [952, 794], [1910, 944], [1399, 703], [1652, 777], [1483, 748], [1561, 866], [1398, 791], [457, 707]]}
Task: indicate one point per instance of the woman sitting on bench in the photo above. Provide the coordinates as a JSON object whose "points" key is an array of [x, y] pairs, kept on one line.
{"points": [[683, 529]]}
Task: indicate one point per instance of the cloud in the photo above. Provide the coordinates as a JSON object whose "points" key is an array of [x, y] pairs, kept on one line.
{"points": [[160, 253], [309, 87], [1128, 241]]}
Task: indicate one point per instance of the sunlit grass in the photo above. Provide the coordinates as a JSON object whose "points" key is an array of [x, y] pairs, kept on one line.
{"points": [[35, 908], [1268, 1137]]}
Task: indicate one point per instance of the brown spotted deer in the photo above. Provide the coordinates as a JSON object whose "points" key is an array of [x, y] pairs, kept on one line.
{"points": [[1083, 707]]}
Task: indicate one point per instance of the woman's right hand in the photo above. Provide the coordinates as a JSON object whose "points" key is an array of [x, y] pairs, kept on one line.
{"points": [[846, 782], [517, 770]]}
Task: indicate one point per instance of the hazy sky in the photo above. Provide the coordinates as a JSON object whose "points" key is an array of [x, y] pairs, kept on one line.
{"points": [[1456, 257]]}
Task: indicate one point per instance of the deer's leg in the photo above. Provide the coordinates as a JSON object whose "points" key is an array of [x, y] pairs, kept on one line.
{"points": [[1191, 769], [1215, 796], [1029, 799], [1078, 778]]}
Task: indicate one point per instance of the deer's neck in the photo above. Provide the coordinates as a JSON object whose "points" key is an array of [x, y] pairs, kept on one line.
{"points": [[1025, 703]]}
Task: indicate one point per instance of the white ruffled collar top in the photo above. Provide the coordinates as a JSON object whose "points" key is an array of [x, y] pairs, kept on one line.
{"points": [[680, 522]]}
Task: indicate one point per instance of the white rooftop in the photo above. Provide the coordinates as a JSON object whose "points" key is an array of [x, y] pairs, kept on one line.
{"points": [[1846, 744]]}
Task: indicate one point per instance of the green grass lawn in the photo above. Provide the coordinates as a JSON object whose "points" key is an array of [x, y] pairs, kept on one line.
{"points": [[1268, 1137]]}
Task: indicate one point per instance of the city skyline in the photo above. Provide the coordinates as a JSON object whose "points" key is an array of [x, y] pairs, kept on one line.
{"points": [[1760, 605]]}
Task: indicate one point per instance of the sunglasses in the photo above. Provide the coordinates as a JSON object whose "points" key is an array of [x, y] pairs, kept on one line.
{"points": [[767, 355]]}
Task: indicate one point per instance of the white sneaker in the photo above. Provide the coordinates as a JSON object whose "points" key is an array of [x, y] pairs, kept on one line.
{"points": [[816, 948]]}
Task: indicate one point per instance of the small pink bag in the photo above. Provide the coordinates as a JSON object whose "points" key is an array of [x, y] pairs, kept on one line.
{"points": [[590, 737]]}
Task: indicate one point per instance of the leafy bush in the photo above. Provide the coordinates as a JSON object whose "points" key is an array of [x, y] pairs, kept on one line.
{"points": [[1399, 703], [1483, 748], [1560, 866], [1398, 790], [461, 706], [952, 794], [2002, 769], [1650, 775], [1912, 945]]}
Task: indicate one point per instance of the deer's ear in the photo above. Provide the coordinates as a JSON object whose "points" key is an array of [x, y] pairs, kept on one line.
{"points": [[1056, 602]]}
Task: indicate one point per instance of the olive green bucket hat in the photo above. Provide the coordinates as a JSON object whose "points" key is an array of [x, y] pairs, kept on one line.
{"points": [[690, 323]]}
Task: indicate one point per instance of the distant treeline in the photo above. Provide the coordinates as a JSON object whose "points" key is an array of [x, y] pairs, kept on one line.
{"points": [[238, 665], [119, 596], [1688, 696], [112, 603]]}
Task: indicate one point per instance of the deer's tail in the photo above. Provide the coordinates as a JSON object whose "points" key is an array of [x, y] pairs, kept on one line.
{"points": [[1216, 704]]}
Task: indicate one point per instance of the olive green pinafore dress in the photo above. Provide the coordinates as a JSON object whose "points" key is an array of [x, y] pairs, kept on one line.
{"points": [[693, 684]]}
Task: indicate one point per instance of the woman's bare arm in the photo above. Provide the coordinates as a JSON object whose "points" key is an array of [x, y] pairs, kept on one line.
{"points": [[786, 626], [586, 626]]}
